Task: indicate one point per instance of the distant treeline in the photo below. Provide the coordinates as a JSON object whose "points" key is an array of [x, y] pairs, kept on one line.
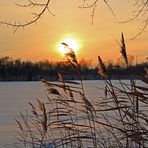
{"points": [[18, 70]]}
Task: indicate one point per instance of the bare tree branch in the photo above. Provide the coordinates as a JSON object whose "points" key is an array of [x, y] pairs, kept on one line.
{"points": [[141, 7], [141, 12], [142, 30], [93, 5], [31, 4], [18, 25], [109, 7]]}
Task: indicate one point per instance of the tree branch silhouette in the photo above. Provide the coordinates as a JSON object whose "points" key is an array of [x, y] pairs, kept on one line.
{"points": [[141, 13], [37, 16], [142, 10], [93, 5]]}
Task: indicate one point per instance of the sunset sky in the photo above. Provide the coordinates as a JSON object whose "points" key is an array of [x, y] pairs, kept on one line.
{"points": [[42, 41]]}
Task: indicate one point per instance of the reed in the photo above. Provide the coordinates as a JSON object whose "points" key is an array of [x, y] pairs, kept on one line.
{"points": [[123, 49], [70, 120]]}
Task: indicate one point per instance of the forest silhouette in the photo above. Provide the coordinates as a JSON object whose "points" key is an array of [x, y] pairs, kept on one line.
{"points": [[19, 70]]}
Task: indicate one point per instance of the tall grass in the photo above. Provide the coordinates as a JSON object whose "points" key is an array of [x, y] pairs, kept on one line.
{"points": [[70, 120]]}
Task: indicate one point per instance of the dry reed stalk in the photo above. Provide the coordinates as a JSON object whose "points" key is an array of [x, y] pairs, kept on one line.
{"points": [[68, 121], [101, 68], [123, 49], [70, 55]]}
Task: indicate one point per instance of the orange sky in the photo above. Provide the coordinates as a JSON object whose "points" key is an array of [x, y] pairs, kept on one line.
{"points": [[41, 41]]}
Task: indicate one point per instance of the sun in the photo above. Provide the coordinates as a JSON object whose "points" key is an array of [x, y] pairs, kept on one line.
{"points": [[72, 43]]}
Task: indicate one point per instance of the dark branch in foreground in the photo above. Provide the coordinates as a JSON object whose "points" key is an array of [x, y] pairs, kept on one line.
{"points": [[141, 7], [93, 5], [37, 16]]}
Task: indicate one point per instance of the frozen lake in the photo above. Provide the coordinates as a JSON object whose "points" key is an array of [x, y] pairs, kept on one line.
{"points": [[14, 98]]}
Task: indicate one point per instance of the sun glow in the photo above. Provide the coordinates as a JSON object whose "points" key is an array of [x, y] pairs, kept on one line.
{"points": [[73, 44]]}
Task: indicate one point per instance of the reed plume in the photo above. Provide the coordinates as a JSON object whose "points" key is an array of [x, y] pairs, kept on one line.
{"points": [[123, 49], [102, 68], [70, 119], [70, 55]]}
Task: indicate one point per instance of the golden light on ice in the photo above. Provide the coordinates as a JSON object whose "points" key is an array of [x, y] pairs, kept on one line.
{"points": [[73, 44]]}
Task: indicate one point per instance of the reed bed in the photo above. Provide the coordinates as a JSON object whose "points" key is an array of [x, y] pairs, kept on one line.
{"points": [[70, 120]]}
